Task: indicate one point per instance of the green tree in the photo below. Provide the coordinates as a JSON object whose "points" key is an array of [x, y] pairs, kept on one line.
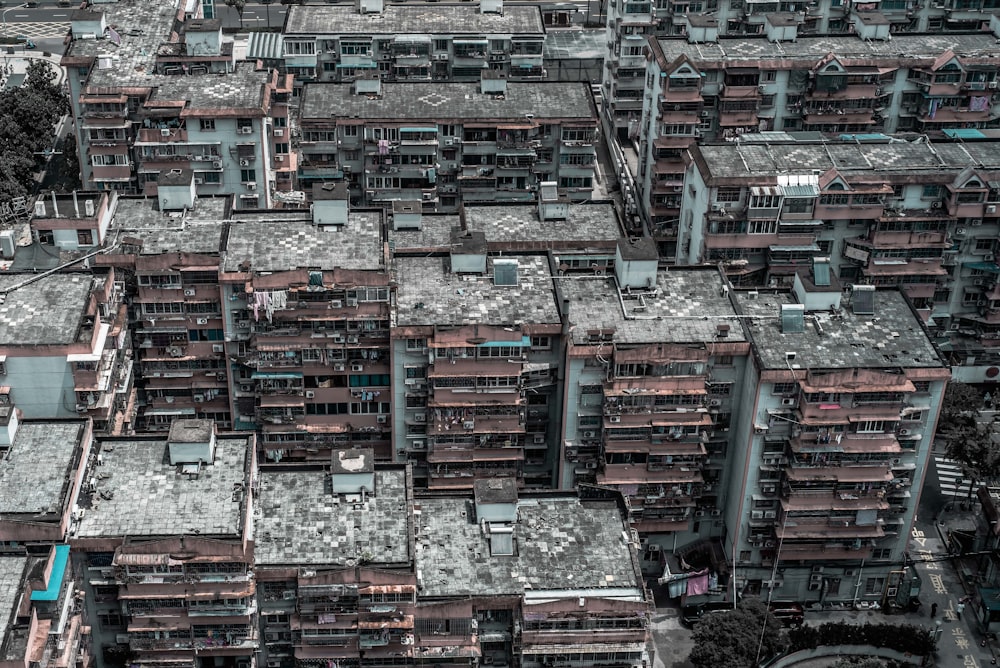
{"points": [[974, 446], [859, 662], [961, 403], [739, 638]]}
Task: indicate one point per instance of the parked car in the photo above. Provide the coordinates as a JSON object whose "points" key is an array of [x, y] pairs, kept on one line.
{"points": [[789, 614], [692, 612]]}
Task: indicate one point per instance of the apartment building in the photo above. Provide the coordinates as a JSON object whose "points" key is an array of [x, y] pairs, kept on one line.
{"points": [[334, 555], [64, 348], [838, 86], [71, 222], [654, 365], [412, 42], [475, 355], [307, 315], [844, 394], [40, 614], [164, 546], [38, 502], [530, 580], [449, 143], [151, 92], [917, 215], [171, 254]]}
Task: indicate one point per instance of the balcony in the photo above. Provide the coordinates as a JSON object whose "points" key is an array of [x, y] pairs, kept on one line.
{"points": [[112, 173], [151, 136]]}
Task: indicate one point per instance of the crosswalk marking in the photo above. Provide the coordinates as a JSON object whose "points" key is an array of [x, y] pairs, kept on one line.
{"points": [[950, 478], [39, 30]]}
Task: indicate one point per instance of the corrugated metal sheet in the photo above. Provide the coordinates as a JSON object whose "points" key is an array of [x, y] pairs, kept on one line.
{"points": [[265, 45]]}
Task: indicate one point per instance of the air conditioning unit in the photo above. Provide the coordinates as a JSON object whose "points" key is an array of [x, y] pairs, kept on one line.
{"points": [[338, 339], [252, 186], [590, 434], [217, 164], [959, 231], [993, 85], [469, 424], [310, 394], [449, 141], [716, 513], [937, 205], [244, 163], [279, 158], [419, 444], [189, 292], [352, 302], [164, 132], [975, 222], [991, 208], [699, 513], [352, 338], [339, 366], [788, 402], [382, 419], [336, 303], [988, 257], [903, 432], [757, 514], [357, 367], [770, 515], [243, 324], [715, 402], [279, 132], [198, 181], [247, 129], [420, 417], [202, 321], [218, 348], [615, 419]]}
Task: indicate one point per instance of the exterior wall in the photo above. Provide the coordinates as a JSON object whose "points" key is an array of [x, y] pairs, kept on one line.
{"points": [[41, 387]]}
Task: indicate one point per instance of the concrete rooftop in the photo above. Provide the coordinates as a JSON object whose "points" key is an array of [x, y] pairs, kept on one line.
{"points": [[48, 311], [420, 18], [36, 474]]}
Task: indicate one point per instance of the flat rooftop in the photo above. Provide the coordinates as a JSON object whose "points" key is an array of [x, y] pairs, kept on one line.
{"points": [[506, 224], [302, 522], [892, 337], [143, 26], [47, 312], [241, 89], [446, 101], [428, 294], [583, 44], [421, 19], [514, 224], [12, 570], [687, 307], [560, 543], [36, 474], [901, 49], [757, 160], [140, 494], [198, 230], [272, 244], [434, 234]]}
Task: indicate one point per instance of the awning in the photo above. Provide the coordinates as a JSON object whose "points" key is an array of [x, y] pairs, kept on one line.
{"points": [[765, 190], [265, 45], [431, 129], [142, 559], [790, 223], [281, 400], [54, 584], [466, 40], [800, 191], [169, 411], [989, 267], [810, 248], [278, 375], [412, 39]]}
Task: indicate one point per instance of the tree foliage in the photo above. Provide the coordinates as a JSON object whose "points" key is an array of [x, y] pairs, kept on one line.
{"points": [[906, 638], [737, 638], [28, 117], [961, 404], [238, 5], [968, 440]]}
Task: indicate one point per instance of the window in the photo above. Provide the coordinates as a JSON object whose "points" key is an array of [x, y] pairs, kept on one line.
{"points": [[416, 344], [248, 175], [931, 191], [724, 360], [867, 426], [762, 227], [984, 245], [542, 342], [85, 237], [728, 195], [874, 586], [281, 148], [207, 124], [783, 388]]}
